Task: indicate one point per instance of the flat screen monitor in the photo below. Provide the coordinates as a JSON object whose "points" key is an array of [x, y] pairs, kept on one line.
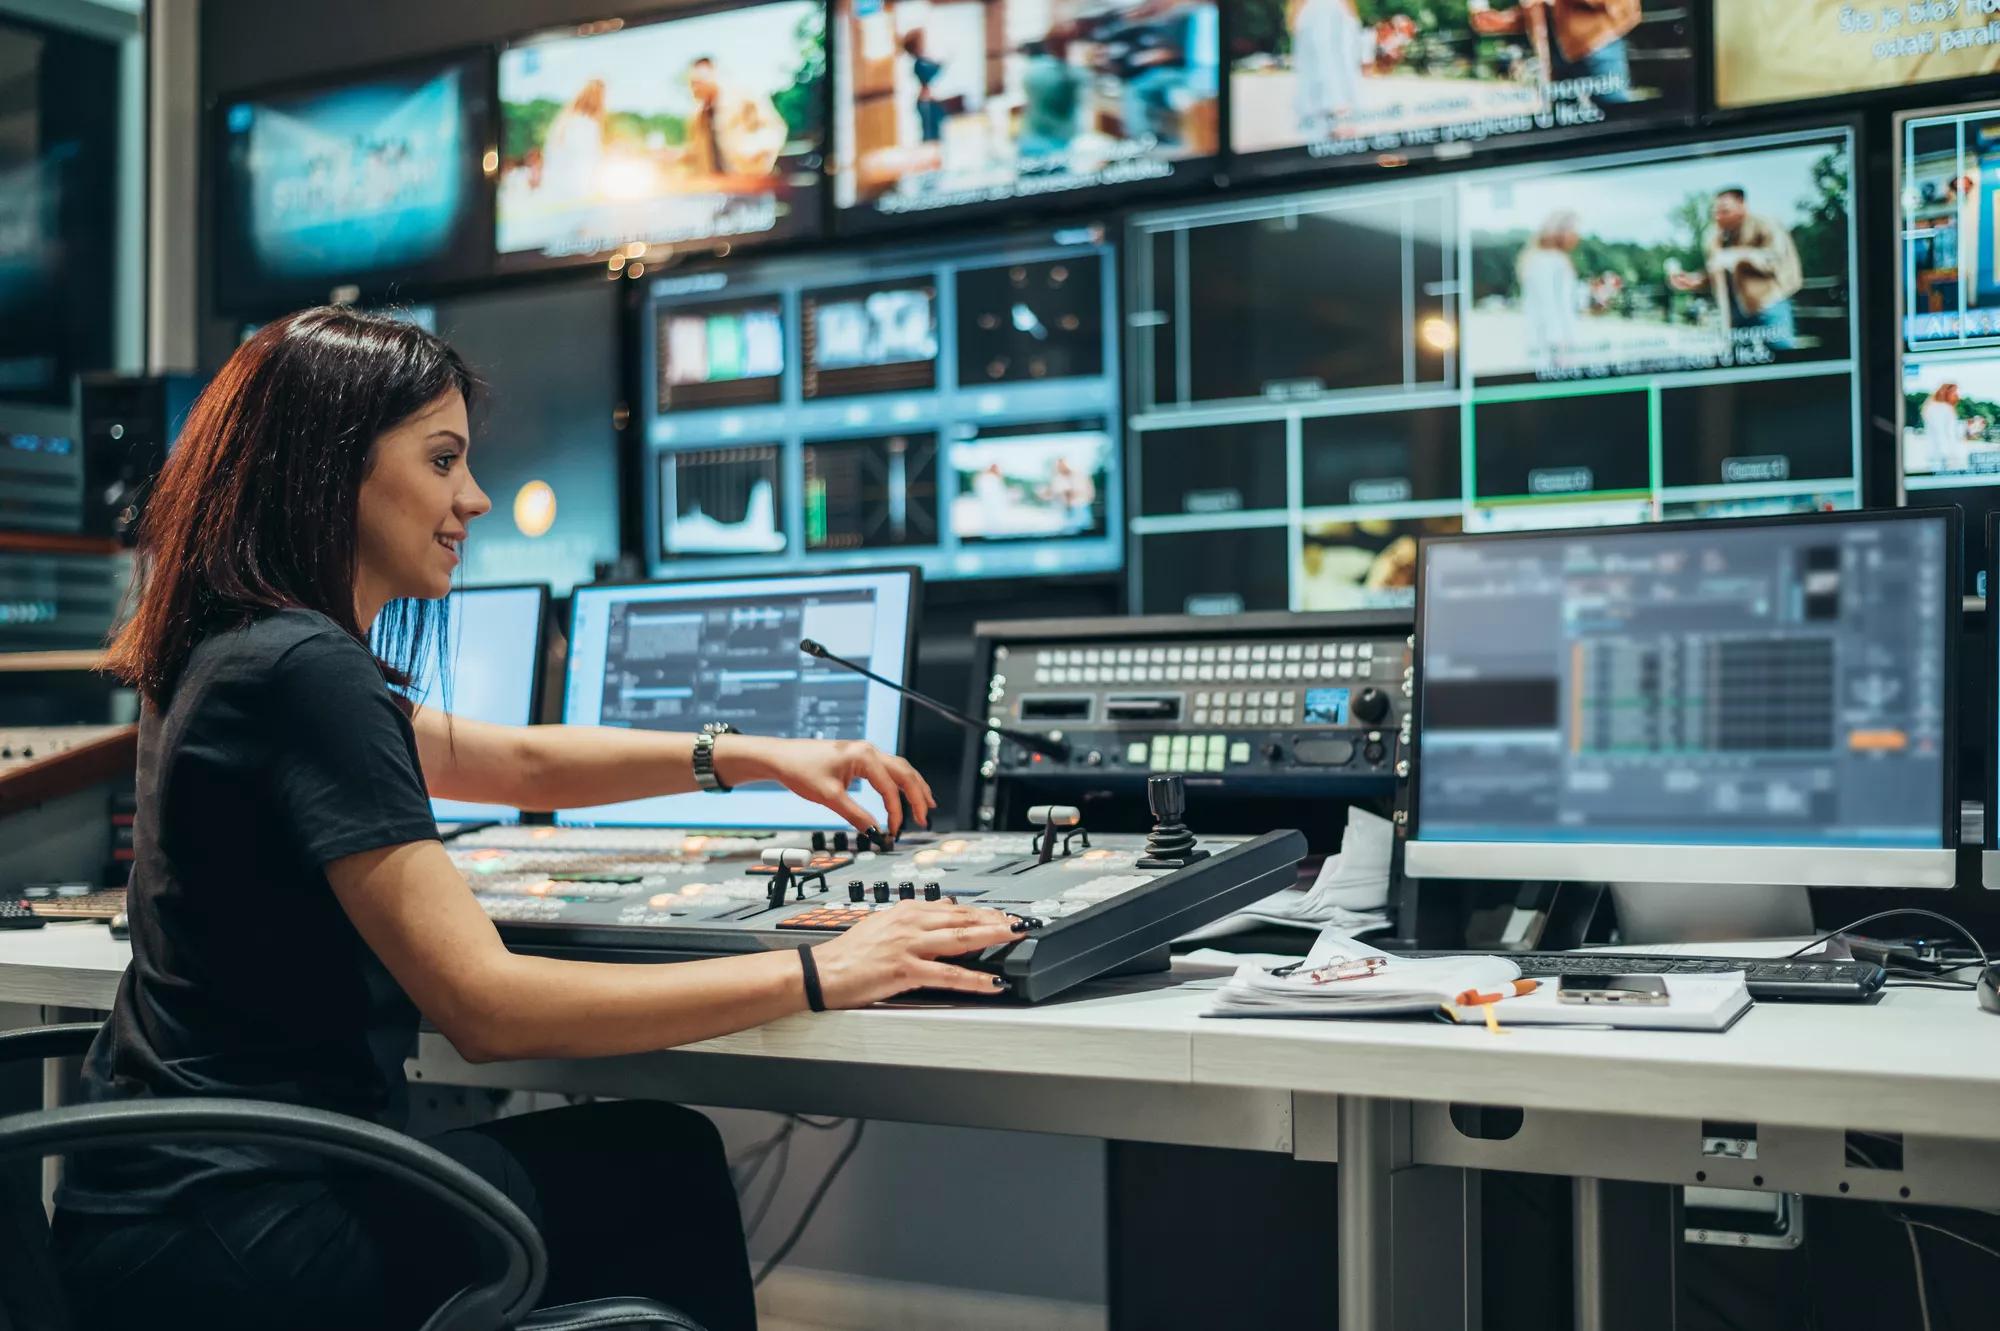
{"points": [[950, 405], [1321, 380], [1990, 859], [678, 655], [1758, 701], [489, 669], [544, 439], [1770, 51], [977, 104], [1365, 82], [60, 120], [701, 128], [375, 181]]}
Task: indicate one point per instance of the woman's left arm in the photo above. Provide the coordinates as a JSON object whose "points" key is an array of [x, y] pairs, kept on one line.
{"points": [[575, 767]]}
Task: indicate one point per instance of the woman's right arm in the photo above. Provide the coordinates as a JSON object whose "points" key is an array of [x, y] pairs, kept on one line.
{"points": [[413, 908]]}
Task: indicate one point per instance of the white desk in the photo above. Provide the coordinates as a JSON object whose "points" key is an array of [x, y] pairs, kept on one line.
{"points": [[1134, 1060]]}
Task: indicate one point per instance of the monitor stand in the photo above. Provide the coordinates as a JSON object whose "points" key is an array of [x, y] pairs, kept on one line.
{"points": [[1708, 913]]}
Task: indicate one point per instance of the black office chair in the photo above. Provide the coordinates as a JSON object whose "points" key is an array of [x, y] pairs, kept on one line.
{"points": [[31, 1296]]}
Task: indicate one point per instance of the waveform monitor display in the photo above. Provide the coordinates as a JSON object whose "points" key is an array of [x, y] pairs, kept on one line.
{"points": [[676, 656], [1328, 82], [972, 106], [368, 182], [1333, 376], [956, 403], [697, 128], [1765, 683]]}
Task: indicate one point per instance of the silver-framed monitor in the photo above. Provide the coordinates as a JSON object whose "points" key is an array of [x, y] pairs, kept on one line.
{"points": [[676, 656], [1762, 701]]}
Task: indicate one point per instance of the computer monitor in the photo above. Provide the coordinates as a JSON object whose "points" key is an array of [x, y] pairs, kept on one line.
{"points": [[991, 107], [1321, 380], [1769, 51], [372, 181], [1762, 701], [1947, 189], [1331, 85], [678, 655], [1990, 858], [489, 669], [951, 405], [697, 128]]}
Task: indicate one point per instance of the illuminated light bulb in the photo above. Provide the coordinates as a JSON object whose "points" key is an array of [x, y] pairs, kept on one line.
{"points": [[535, 508], [1438, 334]]}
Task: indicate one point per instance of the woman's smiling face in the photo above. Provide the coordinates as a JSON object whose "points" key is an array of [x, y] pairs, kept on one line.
{"points": [[416, 502]]}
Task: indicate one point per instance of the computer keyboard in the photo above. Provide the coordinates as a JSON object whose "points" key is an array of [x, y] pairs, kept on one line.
{"points": [[1823, 981]]}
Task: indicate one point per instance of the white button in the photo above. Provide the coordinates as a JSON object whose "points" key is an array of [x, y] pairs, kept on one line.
{"points": [[1243, 652], [1291, 672], [1208, 672], [1347, 651], [1041, 677], [1312, 651], [1124, 674], [1258, 653], [1208, 653], [1295, 653], [1125, 656], [1200, 717], [1347, 670], [1367, 650], [1173, 654], [1239, 752], [1235, 718], [1289, 698]]}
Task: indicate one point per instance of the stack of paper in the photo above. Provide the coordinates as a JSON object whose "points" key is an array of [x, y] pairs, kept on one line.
{"points": [[1349, 895], [1343, 977]]}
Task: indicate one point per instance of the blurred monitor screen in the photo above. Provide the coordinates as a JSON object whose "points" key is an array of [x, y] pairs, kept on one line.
{"points": [[1325, 82], [698, 128], [1792, 50], [970, 102], [371, 182]]}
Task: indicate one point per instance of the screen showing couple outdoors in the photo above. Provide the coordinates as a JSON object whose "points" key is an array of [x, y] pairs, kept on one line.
{"points": [[1324, 80], [695, 129]]}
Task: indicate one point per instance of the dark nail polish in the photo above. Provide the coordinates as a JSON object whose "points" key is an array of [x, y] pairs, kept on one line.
{"points": [[1022, 926], [999, 982]]}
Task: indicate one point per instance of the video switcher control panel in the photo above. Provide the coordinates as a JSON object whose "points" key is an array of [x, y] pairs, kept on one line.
{"points": [[1279, 701]]}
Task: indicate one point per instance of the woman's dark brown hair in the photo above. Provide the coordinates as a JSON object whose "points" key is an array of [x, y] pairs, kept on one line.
{"points": [[256, 508]]}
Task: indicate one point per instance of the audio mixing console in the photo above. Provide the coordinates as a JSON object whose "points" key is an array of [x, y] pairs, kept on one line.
{"points": [[651, 895]]}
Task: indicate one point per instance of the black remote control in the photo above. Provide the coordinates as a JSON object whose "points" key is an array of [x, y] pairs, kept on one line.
{"points": [[14, 914]]}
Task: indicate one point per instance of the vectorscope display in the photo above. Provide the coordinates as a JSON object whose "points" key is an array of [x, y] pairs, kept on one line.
{"points": [[1322, 379], [954, 407]]}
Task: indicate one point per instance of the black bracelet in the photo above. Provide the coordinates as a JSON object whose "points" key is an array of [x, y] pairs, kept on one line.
{"points": [[814, 998]]}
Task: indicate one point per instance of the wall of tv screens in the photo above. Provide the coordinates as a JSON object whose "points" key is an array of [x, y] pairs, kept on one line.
{"points": [[1320, 380], [952, 406], [1305, 382]]}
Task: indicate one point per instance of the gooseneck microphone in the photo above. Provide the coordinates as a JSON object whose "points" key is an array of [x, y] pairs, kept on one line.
{"points": [[1027, 739]]}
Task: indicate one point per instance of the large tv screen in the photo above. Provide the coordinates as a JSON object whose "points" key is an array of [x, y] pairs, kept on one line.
{"points": [[59, 116], [1770, 51], [954, 406], [958, 104], [1320, 82], [1322, 379], [700, 128], [375, 182]]}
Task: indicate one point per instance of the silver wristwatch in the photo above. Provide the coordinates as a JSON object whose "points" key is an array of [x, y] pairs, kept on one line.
{"points": [[704, 756]]}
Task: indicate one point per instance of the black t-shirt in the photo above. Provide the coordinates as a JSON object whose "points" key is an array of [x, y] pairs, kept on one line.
{"points": [[280, 750]]}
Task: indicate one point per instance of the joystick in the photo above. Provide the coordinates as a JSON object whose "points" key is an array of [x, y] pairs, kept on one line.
{"points": [[1169, 845], [1054, 818]]}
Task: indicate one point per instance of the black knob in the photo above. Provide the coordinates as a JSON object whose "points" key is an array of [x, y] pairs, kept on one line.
{"points": [[1166, 796], [881, 891], [906, 891], [1093, 759], [1371, 706], [1373, 751], [932, 892], [819, 841], [1273, 753], [857, 891], [840, 841]]}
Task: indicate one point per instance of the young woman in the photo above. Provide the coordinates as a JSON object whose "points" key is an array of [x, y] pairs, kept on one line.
{"points": [[293, 912]]}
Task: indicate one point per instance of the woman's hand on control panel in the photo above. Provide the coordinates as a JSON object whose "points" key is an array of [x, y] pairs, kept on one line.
{"points": [[822, 770], [896, 950]]}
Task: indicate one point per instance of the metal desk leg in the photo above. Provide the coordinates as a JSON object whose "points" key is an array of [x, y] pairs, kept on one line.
{"points": [[1409, 1237], [1367, 1161], [1627, 1236]]}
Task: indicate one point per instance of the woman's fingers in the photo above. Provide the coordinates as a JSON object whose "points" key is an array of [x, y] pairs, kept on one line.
{"points": [[876, 773], [959, 939], [913, 788], [944, 975], [843, 804]]}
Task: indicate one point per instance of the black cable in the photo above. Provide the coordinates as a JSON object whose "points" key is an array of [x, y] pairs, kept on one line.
{"points": [[784, 1158], [1910, 982], [1963, 932], [784, 1249], [1907, 1219]]}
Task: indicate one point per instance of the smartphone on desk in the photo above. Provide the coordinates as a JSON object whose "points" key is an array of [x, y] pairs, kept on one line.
{"points": [[1626, 990]]}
